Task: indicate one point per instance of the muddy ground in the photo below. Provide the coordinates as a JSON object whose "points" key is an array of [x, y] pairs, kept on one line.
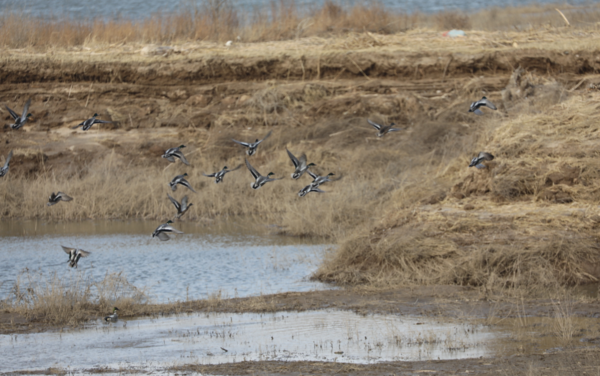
{"points": [[154, 101]]}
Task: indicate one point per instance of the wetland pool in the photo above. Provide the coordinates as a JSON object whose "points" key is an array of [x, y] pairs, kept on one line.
{"points": [[233, 259]]}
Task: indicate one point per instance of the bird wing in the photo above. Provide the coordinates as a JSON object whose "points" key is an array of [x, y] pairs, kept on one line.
{"points": [[98, 121], [177, 206], [264, 138], [375, 125], [64, 197], [241, 143], [84, 253], [12, 113], [210, 175], [480, 166], [180, 155], [477, 112], [487, 103], [295, 160], [67, 249], [253, 170], [186, 183], [184, 203], [312, 174], [25, 110], [316, 189], [8, 159], [486, 156], [394, 129], [172, 229], [302, 160], [237, 168], [162, 236]]}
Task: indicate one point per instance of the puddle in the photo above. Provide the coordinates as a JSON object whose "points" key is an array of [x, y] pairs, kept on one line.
{"points": [[226, 257], [339, 336]]}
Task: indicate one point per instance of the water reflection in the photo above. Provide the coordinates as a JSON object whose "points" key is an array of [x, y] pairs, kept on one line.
{"points": [[236, 258]]}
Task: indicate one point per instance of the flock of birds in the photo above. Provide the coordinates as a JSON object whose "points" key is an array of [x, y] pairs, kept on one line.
{"points": [[300, 167]]}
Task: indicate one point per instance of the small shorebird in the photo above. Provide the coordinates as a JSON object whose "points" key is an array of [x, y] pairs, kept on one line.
{"points": [[19, 121], [173, 153], [219, 175], [482, 102], [382, 130], [74, 255], [4, 170], [259, 179], [114, 317], [300, 164], [483, 156], [55, 198], [252, 146], [180, 179], [87, 124], [162, 230], [181, 207]]}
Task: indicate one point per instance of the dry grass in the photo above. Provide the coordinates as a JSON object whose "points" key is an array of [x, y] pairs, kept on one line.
{"points": [[56, 301], [529, 220], [218, 20]]}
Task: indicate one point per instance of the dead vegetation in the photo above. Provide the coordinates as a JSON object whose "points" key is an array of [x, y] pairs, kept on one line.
{"points": [[280, 20]]}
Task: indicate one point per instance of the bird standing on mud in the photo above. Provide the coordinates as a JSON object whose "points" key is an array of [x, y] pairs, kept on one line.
{"points": [[173, 153], [87, 124], [181, 207], [162, 230], [483, 156], [300, 164], [56, 198], [220, 174], [382, 130], [180, 179], [482, 102], [22, 119], [74, 255], [259, 179], [114, 317], [252, 146], [4, 169]]}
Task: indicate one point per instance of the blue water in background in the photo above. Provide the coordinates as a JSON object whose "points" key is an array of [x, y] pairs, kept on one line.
{"points": [[139, 9]]}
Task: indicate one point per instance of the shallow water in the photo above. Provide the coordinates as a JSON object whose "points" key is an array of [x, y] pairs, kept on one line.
{"points": [[233, 258], [200, 339], [137, 9]]}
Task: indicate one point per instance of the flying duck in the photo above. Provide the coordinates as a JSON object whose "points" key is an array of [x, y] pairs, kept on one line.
{"points": [[259, 179], [181, 208], [162, 230], [318, 180], [309, 188], [382, 130], [87, 124], [4, 170], [19, 121], [112, 318], [219, 175], [56, 198], [482, 102], [171, 153], [483, 156], [252, 146], [300, 164], [74, 255], [180, 179]]}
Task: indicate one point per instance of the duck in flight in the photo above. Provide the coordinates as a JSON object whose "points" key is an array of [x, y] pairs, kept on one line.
{"points": [[482, 156], [4, 169], [482, 102], [162, 231], [19, 120], [181, 207], [173, 153], [180, 179], [219, 175], [259, 180], [299, 164], [87, 124], [74, 255], [309, 188], [55, 198], [252, 145], [382, 130]]}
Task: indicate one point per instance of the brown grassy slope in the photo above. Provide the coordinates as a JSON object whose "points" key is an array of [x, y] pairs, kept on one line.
{"points": [[529, 220]]}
